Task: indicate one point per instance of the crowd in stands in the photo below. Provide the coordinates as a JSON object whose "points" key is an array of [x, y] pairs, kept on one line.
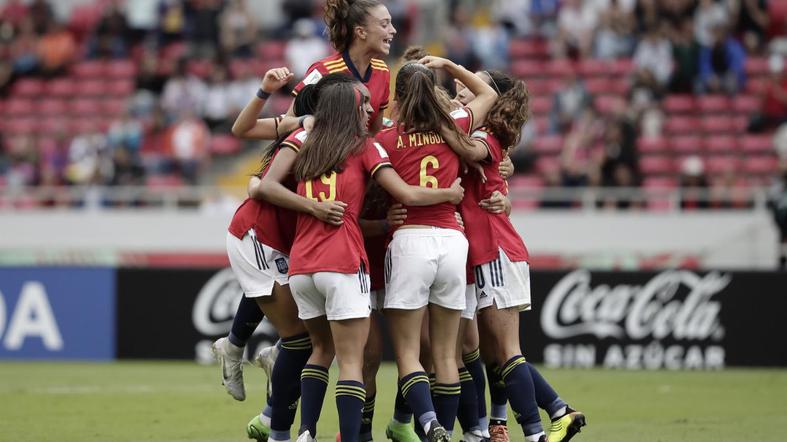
{"points": [[623, 93]]}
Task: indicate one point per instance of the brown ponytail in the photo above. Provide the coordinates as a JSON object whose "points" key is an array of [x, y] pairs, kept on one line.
{"points": [[342, 16], [511, 110]]}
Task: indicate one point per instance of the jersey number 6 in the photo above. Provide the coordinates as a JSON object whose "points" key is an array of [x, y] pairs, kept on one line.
{"points": [[328, 180], [429, 180]]}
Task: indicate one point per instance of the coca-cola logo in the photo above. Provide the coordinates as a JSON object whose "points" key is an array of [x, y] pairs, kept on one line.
{"points": [[675, 303], [216, 304]]}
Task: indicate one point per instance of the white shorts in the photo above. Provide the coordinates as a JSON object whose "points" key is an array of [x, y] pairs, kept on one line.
{"points": [[255, 265], [504, 283], [335, 295], [426, 266], [471, 302], [377, 299]]}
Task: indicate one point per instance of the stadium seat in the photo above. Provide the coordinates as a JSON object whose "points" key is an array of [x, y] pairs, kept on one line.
{"points": [[656, 165], [200, 68], [526, 182], [120, 88], [272, 49], [224, 145], [528, 69], [85, 106], [623, 67], [660, 182], [607, 104], [720, 144], [600, 86], [540, 105], [595, 68], [746, 104], [756, 86], [28, 87], [652, 145], [54, 124], [717, 164], [547, 164], [19, 107], [78, 125], [548, 145], [21, 125], [753, 144], [238, 67], [679, 125], [559, 68], [541, 123], [713, 103], [114, 106], [715, 124], [164, 181], [528, 48], [61, 87], [91, 88], [686, 144], [52, 106], [679, 104], [121, 69], [756, 66], [88, 69], [760, 164]]}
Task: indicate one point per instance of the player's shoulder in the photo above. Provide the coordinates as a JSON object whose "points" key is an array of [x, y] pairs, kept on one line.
{"points": [[379, 65], [332, 64], [295, 140]]}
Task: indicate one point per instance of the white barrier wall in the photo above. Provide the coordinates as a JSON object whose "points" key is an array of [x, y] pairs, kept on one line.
{"points": [[731, 239]]}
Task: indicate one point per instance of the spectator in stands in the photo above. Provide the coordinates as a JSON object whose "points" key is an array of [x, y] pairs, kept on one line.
{"points": [[778, 204], [190, 139], [646, 15], [14, 12], [615, 38], [182, 91], [89, 161], [708, 15], [298, 9], [303, 48], [515, 16], [751, 21], [651, 121], [111, 36], [721, 65], [126, 169], [126, 132], [653, 59], [22, 157], [622, 177], [685, 53], [578, 165], [693, 184], [672, 12], [773, 111], [24, 49], [619, 141], [577, 23], [459, 39], [243, 86], [203, 27], [238, 30], [217, 100], [53, 160], [148, 77], [569, 102], [42, 15], [491, 45], [142, 16], [172, 21], [56, 49]]}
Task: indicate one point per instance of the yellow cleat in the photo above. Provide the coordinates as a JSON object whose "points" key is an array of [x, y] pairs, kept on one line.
{"points": [[566, 427]]}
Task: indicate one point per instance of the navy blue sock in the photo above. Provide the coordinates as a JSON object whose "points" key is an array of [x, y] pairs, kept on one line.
{"points": [[522, 394], [402, 412], [247, 318], [415, 388], [446, 403], [367, 418], [497, 394], [468, 403], [546, 396], [473, 364], [350, 396], [293, 354], [314, 382]]}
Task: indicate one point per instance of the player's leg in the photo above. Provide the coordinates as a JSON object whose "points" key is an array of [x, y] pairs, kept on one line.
{"points": [[373, 354], [565, 421], [498, 407], [471, 358], [467, 413], [399, 428], [349, 339]]}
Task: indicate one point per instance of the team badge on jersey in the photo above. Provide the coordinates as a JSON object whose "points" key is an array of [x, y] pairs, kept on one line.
{"points": [[459, 113], [480, 134], [301, 136], [312, 78], [281, 266]]}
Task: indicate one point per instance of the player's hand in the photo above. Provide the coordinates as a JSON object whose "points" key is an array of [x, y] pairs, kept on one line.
{"points": [[433, 62], [479, 169], [506, 168], [496, 203], [275, 79], [396, 215], [459, 219], [331, 212], [457, 191], [308, 123]]}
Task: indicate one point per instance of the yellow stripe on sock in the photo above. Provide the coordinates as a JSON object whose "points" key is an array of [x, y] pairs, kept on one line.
{"points": [[511, 366], [412, 381], [472, 356]]}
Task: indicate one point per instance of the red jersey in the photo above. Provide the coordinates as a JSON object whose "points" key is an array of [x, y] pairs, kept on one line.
{"points": [[424, 159], [377, 78], [322, 247], [488, 232], [273, 226]]}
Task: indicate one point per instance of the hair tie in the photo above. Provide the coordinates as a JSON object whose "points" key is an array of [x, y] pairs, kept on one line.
{"points": [[493, 82]]}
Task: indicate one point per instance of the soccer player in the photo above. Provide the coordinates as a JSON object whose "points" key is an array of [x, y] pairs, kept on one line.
{"points": [[425, 264], [328, 271], [502, 273]]}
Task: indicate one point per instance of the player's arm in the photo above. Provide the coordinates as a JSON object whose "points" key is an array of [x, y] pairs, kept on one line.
{"points": [[496, 203], [485, 95], [273, 191], [247, 125], [417, 195]]}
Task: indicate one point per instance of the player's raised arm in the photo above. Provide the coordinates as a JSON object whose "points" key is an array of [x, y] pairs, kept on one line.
{"points": [[485, 95], [247, 125]]}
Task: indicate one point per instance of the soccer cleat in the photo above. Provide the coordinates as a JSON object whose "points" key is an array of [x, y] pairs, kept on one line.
{"points": [[306, 436], [399, 432], [498, 433], [437, 433], [473, 436], [567, 426], [265, 359], [257, 430], [230, 359]]}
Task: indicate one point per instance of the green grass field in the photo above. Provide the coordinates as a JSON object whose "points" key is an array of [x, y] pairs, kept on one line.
{"points": [[173, 401]]}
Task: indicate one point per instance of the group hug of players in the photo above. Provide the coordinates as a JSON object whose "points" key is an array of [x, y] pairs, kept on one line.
{"points": [[352, 216]]}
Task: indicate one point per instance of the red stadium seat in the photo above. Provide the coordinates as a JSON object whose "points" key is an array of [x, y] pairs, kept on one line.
{"points": [[271, 50], [746, 104], [590, 67], [120, 88], [121, 69], [62, 87], [52, 106], [54, 124], [716, 124], [224, 145], [560, 68], [761, 164], [623, 67], [540, 105], [28, 87], [82, 106], [547, 164], [23, 125], [528, 48], [718, 164], [678, 125], [756, 85], [679, 104], [658, 182], [756, 66], [548, 145], [528, 69], [721, 144], [686, 144], [656, 165], [91, 88], [200, 68], [114, 106], [652, 145], [541, 123], [526, 182], [163, 181], [757, 144], [608, 104], [18, 107], [600, 86], [88, 69], [239, 67], [713, 103]]}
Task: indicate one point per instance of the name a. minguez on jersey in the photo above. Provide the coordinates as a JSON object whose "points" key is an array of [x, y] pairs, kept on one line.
{"points": [[418, 139], [671, 321]]}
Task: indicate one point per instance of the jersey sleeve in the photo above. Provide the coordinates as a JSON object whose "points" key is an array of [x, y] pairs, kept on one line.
{"points": [[375, 157], [313, 75], [295, 140], [492, 146], [464, 119]]}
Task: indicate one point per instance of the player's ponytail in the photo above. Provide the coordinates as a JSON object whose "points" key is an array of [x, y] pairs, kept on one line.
{"points": [[339, 131], [511, 110], [420, 105], [341, 18]]}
